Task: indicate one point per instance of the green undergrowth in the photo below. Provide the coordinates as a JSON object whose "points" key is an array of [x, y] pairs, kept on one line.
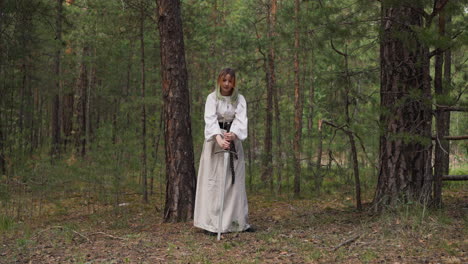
{"points": [[309, 229], [288, 230], [6, 223]]}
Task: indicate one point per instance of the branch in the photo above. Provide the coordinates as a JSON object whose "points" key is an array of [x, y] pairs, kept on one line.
{"points": [[455, 178], [347, 131], [342, 127], [444, 108], [258, 37], [337, 51], [464, 137], [365, 152], [439, 51], [440, 146], [61, 228], [110, 236], [438, 6], [347, 242]]}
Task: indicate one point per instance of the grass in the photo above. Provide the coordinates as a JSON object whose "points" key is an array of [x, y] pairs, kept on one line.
{"points": [[289, 231], [6, 223]]}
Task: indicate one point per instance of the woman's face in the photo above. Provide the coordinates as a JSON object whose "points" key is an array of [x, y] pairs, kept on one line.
{"points": [[227, 85]]}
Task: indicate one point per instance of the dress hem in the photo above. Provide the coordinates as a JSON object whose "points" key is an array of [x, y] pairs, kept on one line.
{"points": [[215, 230]]}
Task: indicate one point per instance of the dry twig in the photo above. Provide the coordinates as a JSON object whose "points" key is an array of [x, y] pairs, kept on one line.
{"points": [[110, 236], [347, 242]]}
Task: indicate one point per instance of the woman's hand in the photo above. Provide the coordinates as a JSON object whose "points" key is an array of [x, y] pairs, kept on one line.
{"points": [[229, 136], [222, 142]]}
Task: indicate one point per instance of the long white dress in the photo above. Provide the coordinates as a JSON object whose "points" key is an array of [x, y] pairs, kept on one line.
{"points": [[207, 200]]}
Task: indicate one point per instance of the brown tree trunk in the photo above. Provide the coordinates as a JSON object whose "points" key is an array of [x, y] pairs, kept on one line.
{"points": [[279, 146], [310, 126], [2, 149], [180, 169], [2, 133], [352, 142], [442, 90], [249, 156], [357, 181], [298, 106], [67, 118], [36, 119], [56, 138], [215, 20], [267, 175], [405, 171], [22, 98], [155, 152], [128, 84], [143, 108], [92, 86], [79, 101], [318, 165]]}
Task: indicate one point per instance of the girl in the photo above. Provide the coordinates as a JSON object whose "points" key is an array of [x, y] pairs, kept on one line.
{"points": [[225, 128]]}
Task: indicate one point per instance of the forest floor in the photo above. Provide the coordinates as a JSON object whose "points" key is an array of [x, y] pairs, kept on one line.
{"points": [[319, 230]]}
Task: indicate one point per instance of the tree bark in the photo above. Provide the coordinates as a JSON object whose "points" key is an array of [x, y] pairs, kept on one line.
{"points": [[455, 177], [180, 169], [80, 99], [143, 107], [127, 90], [67, 118], [405, 171], [318, 168], [442, 149], [352, 142], [357, 181], [298, 106], [310, 126], [2, 133], [92, 86], [155, 152], [267, 175], [56, 137], [279, 146]]}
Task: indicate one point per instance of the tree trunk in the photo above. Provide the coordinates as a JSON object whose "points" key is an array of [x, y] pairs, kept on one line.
{"points": [[143, 108], [357, 181], [155, 152], [310, 126], [442, 91], [92, 86], [405, 171], [22, 98], [80, 99], [55, 151], [114, 120], [318, 165], [249, 156], [2, 135], [267, 175], [67, 119], [35, 119], [127, 91], [180, 169], [279, 146], [298, 107], [352, 142]]}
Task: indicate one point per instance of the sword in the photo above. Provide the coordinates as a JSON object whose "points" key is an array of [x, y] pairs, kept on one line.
{"points": [[222, 190]]}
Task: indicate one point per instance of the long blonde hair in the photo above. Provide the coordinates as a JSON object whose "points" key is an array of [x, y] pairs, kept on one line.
{"points": [[235, 93]]}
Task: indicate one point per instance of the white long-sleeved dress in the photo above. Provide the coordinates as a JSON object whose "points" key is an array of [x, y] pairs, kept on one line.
{"points": [[211, 169]]}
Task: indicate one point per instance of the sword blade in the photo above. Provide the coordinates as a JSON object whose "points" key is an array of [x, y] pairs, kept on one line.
{"points": [[222, 190]]}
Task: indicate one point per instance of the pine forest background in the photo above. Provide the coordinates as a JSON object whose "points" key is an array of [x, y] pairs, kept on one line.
{"points": [[79, 83]]}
